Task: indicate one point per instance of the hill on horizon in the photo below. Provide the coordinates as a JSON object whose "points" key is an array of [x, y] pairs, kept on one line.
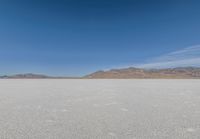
{"points": [[142, 73], [123, 73]]}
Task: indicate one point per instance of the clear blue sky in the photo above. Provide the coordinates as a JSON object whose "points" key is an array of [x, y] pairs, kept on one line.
{"points": [[75, 37]]}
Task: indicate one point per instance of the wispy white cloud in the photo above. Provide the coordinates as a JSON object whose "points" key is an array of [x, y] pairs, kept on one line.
{"points": [[189, 56]]}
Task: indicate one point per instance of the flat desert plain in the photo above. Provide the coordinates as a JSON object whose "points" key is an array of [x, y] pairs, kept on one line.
{"points": [[99, 109]]}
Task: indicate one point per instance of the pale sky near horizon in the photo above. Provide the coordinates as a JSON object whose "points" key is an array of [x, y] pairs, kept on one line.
{"points": [[76, 37]]}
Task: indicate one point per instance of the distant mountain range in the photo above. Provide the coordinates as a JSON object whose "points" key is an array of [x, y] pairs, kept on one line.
{"points": [[125, 73], [32, 76], [26, 76], [139, 73]]}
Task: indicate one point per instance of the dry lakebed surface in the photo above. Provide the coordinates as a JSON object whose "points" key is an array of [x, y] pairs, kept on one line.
{"points": [[99, 109]]}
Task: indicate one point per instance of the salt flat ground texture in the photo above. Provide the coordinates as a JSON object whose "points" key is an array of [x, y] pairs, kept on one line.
{"points": [[99, 109]]}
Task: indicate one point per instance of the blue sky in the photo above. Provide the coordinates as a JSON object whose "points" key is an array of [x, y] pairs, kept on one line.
{"points": [[76, 37], [189, 56]]}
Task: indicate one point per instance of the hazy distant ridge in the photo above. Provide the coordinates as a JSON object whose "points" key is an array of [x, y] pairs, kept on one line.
{"points": [[125, 73], [34, 76], [27, 75], [129, 73]]}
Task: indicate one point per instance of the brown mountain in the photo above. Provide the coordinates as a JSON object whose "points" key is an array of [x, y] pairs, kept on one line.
{"points": [[138, 73]]}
